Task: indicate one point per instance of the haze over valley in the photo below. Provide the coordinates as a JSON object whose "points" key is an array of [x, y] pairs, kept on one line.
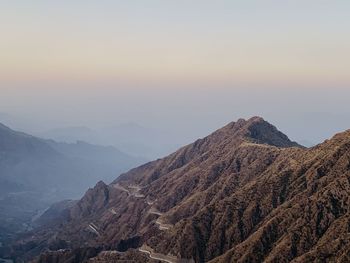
{"points": [[37, 172]]}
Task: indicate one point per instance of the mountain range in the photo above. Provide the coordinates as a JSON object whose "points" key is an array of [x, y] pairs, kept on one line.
{"points": [[245, 193], [34, 173], [131, 138]]}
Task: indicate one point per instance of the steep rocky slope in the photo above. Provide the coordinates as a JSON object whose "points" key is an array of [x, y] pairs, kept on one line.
{"points": [[245, 193]]}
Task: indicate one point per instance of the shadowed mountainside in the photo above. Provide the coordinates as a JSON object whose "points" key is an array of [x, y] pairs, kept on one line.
{"points": [[34, 173]]}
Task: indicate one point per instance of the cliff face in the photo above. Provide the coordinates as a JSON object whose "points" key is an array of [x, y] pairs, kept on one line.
{"points": [[245, 193]]}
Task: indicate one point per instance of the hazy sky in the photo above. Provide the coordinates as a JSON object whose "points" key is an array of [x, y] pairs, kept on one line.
{"points": [[187, 66]]}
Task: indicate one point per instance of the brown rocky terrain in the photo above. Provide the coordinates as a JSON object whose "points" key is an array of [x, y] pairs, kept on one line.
{"points": [[245, 193]]}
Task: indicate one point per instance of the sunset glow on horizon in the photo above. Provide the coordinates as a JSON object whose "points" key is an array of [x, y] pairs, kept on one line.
{"points": [[225, 41], [185, 66]]}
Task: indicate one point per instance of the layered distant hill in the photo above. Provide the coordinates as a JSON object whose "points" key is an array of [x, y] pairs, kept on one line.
{"points": [[245, 193], [34, 173], [131, 138]]}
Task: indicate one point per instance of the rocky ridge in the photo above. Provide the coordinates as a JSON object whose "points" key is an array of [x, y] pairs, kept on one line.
{"points": [[245, 193]]}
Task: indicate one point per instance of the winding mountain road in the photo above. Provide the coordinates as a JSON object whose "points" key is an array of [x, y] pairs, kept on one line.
{"points": [[133, 190], [157, 256]]}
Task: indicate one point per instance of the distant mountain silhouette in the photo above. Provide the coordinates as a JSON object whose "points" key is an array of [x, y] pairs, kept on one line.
{"points": [[35, 172], [70, 134], [130, 138]]}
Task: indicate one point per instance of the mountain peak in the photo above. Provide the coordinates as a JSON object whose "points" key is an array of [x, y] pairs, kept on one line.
{"points": [[262, 132], [259, 131], [255, 119]]}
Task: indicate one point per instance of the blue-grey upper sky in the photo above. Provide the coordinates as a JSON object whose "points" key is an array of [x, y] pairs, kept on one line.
{"points": [[184, 66]]}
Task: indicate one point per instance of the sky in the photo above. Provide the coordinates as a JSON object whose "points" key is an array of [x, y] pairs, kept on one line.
{"points": [[185, 66]]}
